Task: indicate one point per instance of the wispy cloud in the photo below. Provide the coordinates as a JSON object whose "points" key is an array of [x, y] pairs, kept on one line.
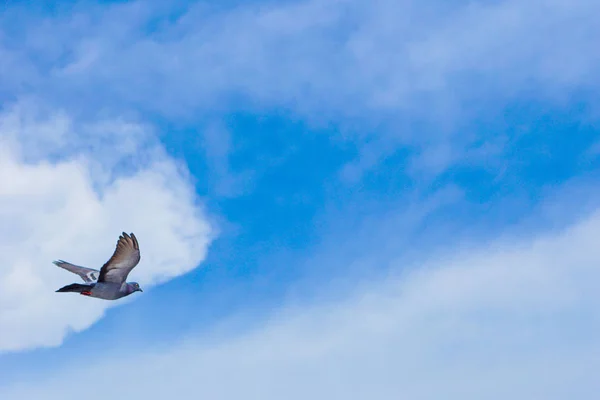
{"points": [[80, 162], [420, 70], [510, 319]]}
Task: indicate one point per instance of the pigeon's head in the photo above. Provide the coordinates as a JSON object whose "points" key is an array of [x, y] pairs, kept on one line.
{"points": [[134, 287]]}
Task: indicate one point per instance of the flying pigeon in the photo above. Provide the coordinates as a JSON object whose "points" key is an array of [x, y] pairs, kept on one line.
{"points": [[111, 279]]}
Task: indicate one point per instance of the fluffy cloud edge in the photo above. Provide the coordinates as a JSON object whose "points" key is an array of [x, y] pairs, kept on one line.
{"points": [[69, 197]]}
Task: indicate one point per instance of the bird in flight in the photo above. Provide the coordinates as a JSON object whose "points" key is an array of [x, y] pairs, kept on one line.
{"points": [[110, 282]]}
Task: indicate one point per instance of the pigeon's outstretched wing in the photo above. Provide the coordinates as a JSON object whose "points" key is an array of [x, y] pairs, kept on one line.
{"points": [[123, 260], [88, 275]]}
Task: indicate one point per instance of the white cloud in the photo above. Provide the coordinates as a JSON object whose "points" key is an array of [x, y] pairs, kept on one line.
{"points": [[515, 319], [379, 65], [67, 195]]}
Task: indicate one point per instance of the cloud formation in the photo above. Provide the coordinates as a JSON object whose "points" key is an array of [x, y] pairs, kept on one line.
{"points": [[64, 195], [512, 319], [396, 69]]}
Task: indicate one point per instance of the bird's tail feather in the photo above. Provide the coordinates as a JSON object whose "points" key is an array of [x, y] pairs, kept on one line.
{"points": [[75, 287]]}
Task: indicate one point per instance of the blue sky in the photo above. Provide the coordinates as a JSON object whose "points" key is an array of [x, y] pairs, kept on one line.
{"points": [[333, 198]]}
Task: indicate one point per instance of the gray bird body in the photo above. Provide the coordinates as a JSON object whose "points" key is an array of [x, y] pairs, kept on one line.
{"points": [[110, 281]]}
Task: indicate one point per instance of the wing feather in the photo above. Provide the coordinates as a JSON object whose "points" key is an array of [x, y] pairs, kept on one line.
{"points": [[123, 260], [87, 274]]}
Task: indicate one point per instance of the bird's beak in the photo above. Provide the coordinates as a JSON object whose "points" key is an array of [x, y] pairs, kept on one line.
{"points": [[140, 289]]}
